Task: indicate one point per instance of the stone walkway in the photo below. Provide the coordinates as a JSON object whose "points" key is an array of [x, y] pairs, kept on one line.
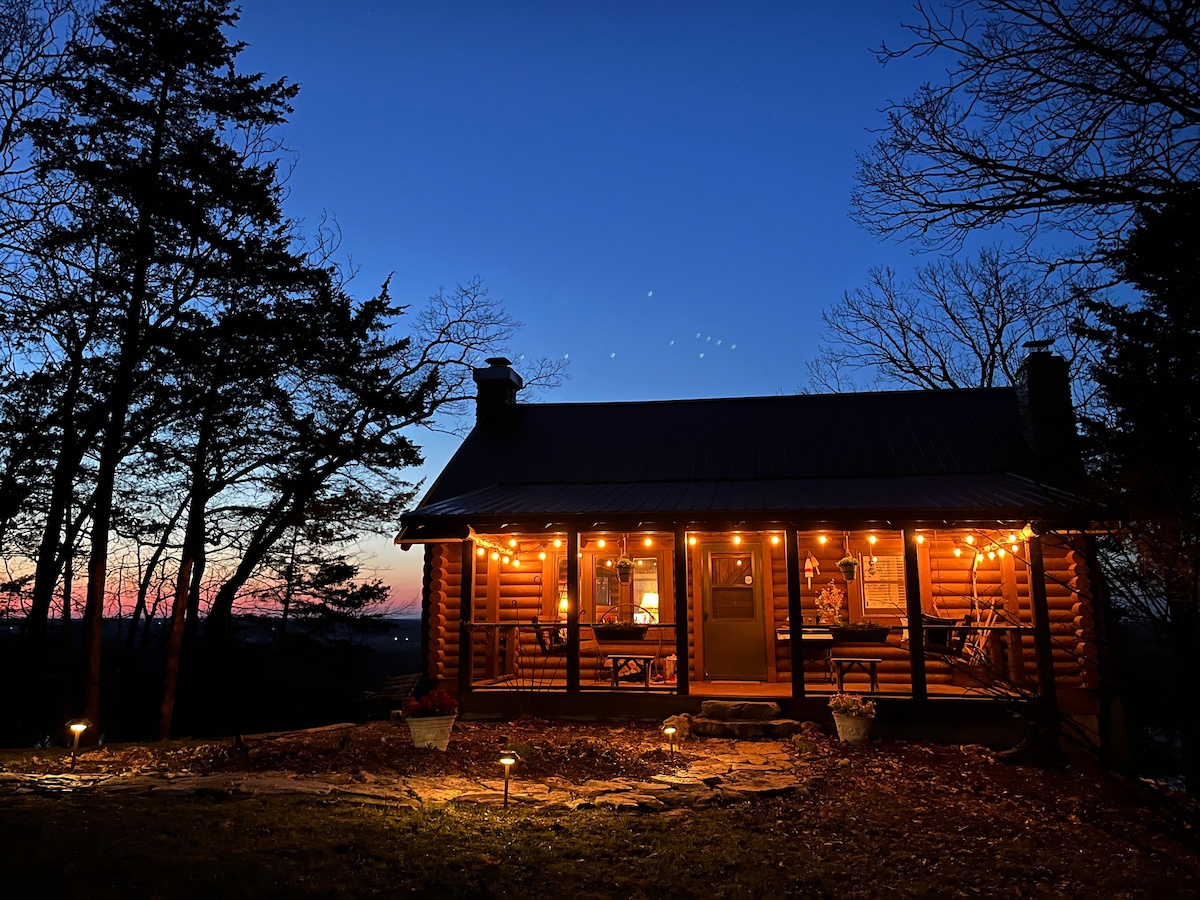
{"points": [[731, 770]]}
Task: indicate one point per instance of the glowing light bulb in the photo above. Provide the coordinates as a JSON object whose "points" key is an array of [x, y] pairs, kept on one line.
{"points": [[871, 539], [600, 543], [558, 542], [737, 538], [692, 541], [1012, 538], [516, 563], [608, 562], [495, 554], [774, 539], [648, 542], [991, 554], [958, 551], [970, 538], [822, 540], [512, 542], [542, 554], [978, 557], [480, 552], [505, 560], [920, 538]]}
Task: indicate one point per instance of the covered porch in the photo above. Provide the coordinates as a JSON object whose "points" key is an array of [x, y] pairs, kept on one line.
{"points": [[635, 616]]}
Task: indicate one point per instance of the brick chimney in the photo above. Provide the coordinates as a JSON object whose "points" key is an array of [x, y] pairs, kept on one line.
{"points": [[1048, 418], [496, 389]]}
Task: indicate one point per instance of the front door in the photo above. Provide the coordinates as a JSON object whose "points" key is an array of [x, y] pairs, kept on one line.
{"points": [[734, 644]]}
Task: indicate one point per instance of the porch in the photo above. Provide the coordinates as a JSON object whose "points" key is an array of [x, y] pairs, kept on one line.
{"points": [[1004, 616]]}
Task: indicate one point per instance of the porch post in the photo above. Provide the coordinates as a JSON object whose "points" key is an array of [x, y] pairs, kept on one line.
{"points": [[682, 661], [572, 611], [916, 625], [795, 609], [1043, 644], [466, 615]]}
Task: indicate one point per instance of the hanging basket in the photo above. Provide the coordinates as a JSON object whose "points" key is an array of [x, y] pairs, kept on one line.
{"points": [[852, 729], [849, 567], [431, 732]]}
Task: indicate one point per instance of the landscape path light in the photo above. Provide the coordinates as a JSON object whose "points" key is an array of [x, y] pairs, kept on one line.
{"points": [[507, 759], [669, 731], [78, 727]]}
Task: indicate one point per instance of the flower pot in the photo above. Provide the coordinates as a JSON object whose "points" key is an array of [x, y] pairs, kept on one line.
{"points": [[431, 732], [849, 569], [852, 729]]}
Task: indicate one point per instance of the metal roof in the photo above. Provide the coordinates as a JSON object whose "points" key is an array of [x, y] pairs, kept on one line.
{"points": [[904, 452]]}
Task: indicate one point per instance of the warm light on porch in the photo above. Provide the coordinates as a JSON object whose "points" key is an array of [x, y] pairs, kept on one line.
{"points": [[542, 554], [737, 538], [775, 539], [512, 542], [648, 542], [958, 551], [480, 552], [557, 542], [872, 540], [822, 540], [920, 538], [970, 539], [691, 542], [600, 543], [495, 554]]}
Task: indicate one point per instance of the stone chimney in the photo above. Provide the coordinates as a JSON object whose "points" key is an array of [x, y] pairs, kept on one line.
{"points": [[496, 389], [1048, 418]]}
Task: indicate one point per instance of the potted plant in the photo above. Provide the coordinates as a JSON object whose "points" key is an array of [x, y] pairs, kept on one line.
{"points": [[852, 715], [849, 566], [830, 602], [430, 719], [861, 632]]}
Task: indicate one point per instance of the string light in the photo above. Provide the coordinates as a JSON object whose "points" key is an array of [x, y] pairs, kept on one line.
{"points": [[495, 554], [557, 542], [970, 539], [481, 552], [512, 542], [542, 554], [958, 551]]}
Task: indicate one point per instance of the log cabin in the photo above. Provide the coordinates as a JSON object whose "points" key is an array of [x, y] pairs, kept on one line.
{"points": [[624, 559]]}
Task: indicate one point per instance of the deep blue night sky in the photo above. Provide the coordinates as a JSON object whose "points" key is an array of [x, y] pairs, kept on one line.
{"points": [[659, 190]]}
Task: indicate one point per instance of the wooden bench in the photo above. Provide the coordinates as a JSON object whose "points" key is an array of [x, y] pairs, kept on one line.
{"points": [[844, 664], [392, 693]]}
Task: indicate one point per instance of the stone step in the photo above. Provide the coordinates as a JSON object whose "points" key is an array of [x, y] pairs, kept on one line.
{"points": [[758, 710], [744, 729]]}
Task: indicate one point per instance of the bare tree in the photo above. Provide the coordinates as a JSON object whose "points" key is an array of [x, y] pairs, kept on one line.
{"points": [[1060, 113], [954, 324]]}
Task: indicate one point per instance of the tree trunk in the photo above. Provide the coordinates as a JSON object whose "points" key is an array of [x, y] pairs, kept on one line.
{"points": [[193, 546]]}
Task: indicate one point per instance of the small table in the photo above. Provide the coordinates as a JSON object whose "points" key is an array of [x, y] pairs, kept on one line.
{"points": [[844, 664], [641, 662]]}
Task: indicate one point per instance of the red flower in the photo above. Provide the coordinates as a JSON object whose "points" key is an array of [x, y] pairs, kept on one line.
{"points": [[436, 703]]}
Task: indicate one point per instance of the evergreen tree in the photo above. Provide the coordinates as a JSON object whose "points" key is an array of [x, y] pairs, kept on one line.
{"points": [[1145, 447]]}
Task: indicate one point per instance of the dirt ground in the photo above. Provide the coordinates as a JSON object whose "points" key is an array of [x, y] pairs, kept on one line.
{"points": [[930, 819]]}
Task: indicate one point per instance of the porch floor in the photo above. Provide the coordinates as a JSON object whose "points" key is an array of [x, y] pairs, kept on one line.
{"points": [[753, 689]]}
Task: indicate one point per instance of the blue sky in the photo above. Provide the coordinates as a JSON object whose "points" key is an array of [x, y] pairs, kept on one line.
{"points": [[658, 190]]}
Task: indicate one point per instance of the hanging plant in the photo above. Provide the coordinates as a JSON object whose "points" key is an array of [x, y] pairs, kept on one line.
{"points": [[849, 566], [624, 570]]}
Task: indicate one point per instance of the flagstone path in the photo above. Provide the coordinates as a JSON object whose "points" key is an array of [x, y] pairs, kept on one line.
{"points": [[736, 770]]}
